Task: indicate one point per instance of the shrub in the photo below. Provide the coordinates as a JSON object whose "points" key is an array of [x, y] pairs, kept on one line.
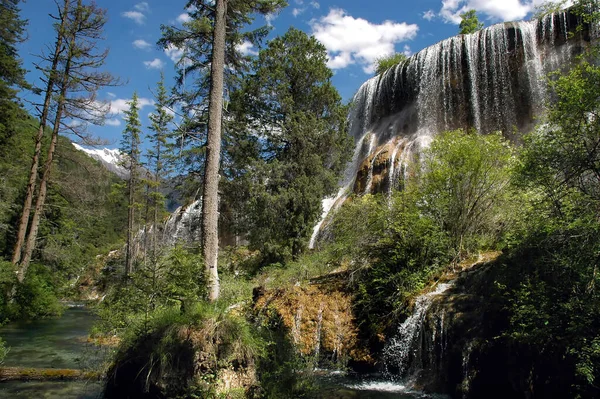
{"points": [[181, 354]]}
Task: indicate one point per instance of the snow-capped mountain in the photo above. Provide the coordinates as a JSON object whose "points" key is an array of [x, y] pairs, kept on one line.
{"points": [[110, 159]]}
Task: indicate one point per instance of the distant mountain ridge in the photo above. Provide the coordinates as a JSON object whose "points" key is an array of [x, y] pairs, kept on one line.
{"points": [[112, 160]]}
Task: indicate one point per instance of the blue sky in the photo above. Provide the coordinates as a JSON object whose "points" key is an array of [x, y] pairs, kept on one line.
{"points": [[355, 32]]}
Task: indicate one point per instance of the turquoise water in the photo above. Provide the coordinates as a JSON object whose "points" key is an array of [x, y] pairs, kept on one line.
{"points": [[50, 390], [51, 343], [61, 343]]}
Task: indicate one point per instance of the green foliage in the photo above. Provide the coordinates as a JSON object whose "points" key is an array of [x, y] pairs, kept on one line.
{"points": [[548, 287], [562, 154], [193, 76], [173, 281], [37, 296], [469, 23], [12, 75], [389, 61], [548, 7], [181, 353], [395, 254], [80, 221], [464, 186], [288, 145]]}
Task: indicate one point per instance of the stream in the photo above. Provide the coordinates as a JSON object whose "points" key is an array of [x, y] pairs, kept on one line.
{"points": [[51, 343], [338, 385], [61, 343]]}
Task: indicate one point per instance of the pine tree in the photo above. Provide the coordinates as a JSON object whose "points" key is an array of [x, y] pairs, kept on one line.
{"points": [[130, 147], [78, 82], [469, 23], [12, 74], [157, 159], [212, 36], [50, 81], [289, 147]]}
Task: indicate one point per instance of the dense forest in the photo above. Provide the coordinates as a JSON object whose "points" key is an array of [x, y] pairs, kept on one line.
{"points": [[462, 261]]}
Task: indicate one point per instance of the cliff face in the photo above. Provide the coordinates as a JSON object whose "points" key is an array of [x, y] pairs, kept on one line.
{"points": [[492, 80]]}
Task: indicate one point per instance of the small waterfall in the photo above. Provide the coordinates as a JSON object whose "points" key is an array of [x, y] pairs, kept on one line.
{"points": [[491, 80], [333, 203], [466, 365], [318, 333], [370, 175], [404, 349], [297, 326]]}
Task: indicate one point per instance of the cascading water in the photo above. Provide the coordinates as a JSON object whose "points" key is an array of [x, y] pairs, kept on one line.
{"points": [[404, 349], [183, 225], [491, 80]]}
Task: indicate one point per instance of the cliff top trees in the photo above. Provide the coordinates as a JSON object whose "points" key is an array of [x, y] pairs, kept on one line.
{"points": [[389, 61], [469, 23], [289, 146]]}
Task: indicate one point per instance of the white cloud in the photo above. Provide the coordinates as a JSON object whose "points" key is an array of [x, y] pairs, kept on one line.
{"points": [[297, 11], [314, 4], [112, 122], [495, 10], [350, 40], [143, 6], [407, 51], [429, 15], [185, 17], [141, 44], [270, 18], [174, 53], [156, 63], [113, 95], [136, 16], [246, 48], [120, 105]]}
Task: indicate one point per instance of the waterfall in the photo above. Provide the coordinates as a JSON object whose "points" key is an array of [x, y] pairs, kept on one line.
{"points": [[184, 224], [491, 80], [405, 347]]}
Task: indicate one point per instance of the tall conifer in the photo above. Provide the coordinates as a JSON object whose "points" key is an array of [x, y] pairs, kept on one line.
{"points": [[130, 147]]}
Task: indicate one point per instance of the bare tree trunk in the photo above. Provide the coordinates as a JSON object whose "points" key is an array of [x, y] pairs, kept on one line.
{"points": [[41, 199], [156, 195], [130, 222], [210, 199], [24, 221], [146, 221]]}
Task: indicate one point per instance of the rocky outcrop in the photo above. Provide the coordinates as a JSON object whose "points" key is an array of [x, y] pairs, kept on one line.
{"points": [[318, 320], [457, 342]]}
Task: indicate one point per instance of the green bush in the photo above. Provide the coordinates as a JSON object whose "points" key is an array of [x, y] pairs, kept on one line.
{"points": [[386, 62], [465, 187], [174, 280], [37, 296], [181, 353]]}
